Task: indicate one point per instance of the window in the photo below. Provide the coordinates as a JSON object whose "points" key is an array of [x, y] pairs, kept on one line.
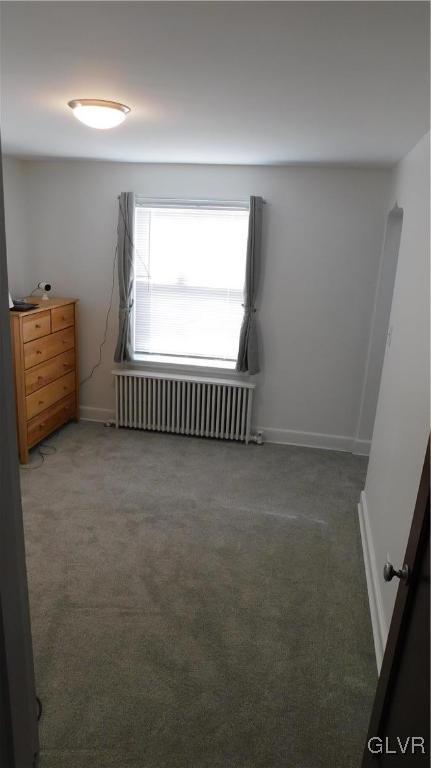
{"points": [[189, 279]]}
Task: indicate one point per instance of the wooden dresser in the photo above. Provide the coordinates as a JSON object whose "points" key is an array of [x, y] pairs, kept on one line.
{"points": [[44, 347]]}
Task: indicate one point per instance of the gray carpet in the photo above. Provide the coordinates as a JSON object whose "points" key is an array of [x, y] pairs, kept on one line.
{"points": [[197, 604]]}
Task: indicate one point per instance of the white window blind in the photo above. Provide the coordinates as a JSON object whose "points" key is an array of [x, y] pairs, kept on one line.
{"points": [[189, 279]]}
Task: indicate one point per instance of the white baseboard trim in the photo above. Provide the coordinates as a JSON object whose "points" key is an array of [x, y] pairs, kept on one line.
{"points": [[378, 622], [270, 435], [306, 439], [361, 447], [87, 413]]}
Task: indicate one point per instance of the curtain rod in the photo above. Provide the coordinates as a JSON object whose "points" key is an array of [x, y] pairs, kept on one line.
{"points": [[179, 200]]}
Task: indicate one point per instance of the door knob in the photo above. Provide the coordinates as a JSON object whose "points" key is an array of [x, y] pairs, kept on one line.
{"points": [[389, 572]]}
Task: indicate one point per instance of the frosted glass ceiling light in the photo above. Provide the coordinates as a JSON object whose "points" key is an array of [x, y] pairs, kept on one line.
{"points": [[98, 113]]}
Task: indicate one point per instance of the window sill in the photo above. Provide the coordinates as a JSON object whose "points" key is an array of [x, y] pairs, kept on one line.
{"points": [[188, 365]]}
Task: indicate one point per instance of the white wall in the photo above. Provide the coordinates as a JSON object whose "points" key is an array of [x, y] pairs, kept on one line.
{"points": [[380, 323], [402, 420], [17, 229], [322, 241]]}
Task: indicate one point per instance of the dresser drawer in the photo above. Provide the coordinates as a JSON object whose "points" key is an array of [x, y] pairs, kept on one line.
{"points": [[50, 419], [62, 317], [35, 326], [46, 396], [43, 349], [41, 375]]}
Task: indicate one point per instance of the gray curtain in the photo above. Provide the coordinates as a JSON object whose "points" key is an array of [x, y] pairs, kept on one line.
{"points": [[248, 352], [125, 256]]}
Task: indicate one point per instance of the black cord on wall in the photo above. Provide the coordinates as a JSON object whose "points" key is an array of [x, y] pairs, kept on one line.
{"points": [[103, 342], [105, 334]]}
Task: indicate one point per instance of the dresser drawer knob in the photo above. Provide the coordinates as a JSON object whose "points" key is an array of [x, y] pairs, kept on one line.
{"points": [[40, 378], [41, 425], [37, 325], [41, 402], [38, 351]]}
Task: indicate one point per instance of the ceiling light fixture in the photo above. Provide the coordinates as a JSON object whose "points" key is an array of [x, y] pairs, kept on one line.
{"points": [[98, 113]]}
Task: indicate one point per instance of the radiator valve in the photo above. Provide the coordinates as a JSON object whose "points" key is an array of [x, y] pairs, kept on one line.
{"points": [[257, 437]]}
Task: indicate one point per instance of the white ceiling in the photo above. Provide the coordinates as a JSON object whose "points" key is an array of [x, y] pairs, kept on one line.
{"points": [[220, 82]]}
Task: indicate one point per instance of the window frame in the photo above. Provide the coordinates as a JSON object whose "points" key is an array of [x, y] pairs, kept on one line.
{"points": [[189, 364]]}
